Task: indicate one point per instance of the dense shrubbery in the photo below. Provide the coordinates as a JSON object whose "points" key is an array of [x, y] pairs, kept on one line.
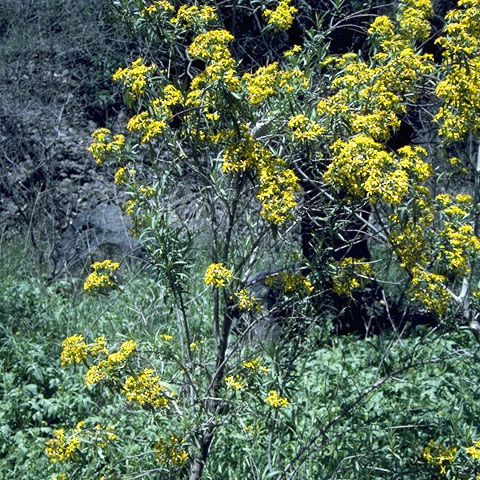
{"points": [[369, 407], [292, 165]]}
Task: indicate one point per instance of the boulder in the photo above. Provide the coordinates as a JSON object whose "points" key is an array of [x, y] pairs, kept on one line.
{"points": [[96, 235]]}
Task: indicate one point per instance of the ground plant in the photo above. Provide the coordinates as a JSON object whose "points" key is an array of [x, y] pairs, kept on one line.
{"points": [[307, 306]]}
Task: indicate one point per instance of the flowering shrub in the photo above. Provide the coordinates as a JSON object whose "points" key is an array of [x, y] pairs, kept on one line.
{"points": [[102, 278], [295, 154]]}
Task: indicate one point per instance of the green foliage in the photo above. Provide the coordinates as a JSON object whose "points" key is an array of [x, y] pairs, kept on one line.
{"points": [[369, 407]]}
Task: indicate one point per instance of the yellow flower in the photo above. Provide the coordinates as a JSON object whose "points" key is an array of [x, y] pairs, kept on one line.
{"points": [[255, 366], [277, 189], [99, 347], [304, 129], [61, 447], [443, 198], [218, 275], [464, 198], [351, 273], [195, 15], [293, 283], [145, 389], [382, 26], [146, 126], [474, 450], [459, 114], [211, 45], [282, 17], [102, 277], [156, 7], [234, 383], [244, 301], [171, 451], [275, 400], [429, 289], [101, 149], [290, 53], [135, 78], [96, 373], [106, 369], [74, 350], [438, 455]]}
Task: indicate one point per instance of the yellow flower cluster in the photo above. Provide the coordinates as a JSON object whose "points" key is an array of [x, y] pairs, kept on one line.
{"points": [[438, 455], [369, 97], [74, 350], [244, 301], [382, 27], [369, 101], [464, 198], [412, 21], [235, 383], [262, 83], [278, 184], [460, 113], [410, 243], [211, 45], [147, 126], [255, 366], [61, 447], [146, 389], [303, 129], [99, 347], [146, 191], [218, 275], [241, 153], [195, 345], [429, 289], [474, 450], [278, 187], [350, 273], [457, 244], [123, 175], [270, 80], [102, 277], [275, 400], [363, 168], [171, 96], [195, 15], [158, 6], [411, 160], [282, 17], [277, 190], [293, 51], [130, 207], [62, 476], [443, 198], [102, 148], [171, 451], [107, 367], [134, 78], [291, 282]]}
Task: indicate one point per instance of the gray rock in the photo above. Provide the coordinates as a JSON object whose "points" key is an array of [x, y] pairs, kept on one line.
{"points": [[101, 233]]}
